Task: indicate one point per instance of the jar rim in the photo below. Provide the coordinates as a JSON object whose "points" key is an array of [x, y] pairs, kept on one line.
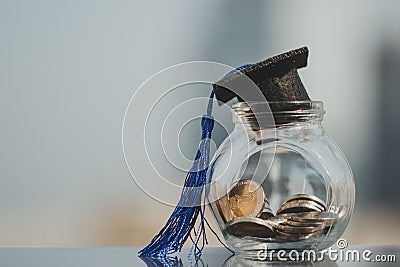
{"points": [[280, 107], [283, 112]]}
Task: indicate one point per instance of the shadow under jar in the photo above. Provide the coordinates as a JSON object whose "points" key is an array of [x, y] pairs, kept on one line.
{"points": [[283, 185]]}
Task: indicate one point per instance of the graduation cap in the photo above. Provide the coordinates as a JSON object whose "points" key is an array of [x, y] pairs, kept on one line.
{"points": [[276, 77]]}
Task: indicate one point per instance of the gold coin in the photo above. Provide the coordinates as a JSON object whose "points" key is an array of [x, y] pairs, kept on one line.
{"points": [[221, 205], [246, 198]]}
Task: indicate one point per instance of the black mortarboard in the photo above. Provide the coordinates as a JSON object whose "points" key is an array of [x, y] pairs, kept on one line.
{"points": [[276, 77]]}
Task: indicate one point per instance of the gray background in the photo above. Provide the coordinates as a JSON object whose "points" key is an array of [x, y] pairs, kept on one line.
{"points": [[69, 68]]}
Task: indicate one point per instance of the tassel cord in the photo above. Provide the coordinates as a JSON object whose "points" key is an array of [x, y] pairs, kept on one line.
{"points": [[181, 223]]}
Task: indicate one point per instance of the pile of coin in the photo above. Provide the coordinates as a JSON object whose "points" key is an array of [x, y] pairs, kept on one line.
{"points": [[246, 211], [303, 225], [301, 203]]}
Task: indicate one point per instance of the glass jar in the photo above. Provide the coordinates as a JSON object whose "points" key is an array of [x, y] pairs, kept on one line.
{"points": [[280, 186]]}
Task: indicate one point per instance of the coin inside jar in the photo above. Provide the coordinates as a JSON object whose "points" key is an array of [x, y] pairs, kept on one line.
{"points": [[293, 237], [325, 217], [286, 228], [298, 206], [221, 205], [267, 212], [265, 215], [246, 198], [303, 224], [249, 226], [308, 197]]}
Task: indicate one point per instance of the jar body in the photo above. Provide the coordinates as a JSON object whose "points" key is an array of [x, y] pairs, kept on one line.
{"points": [[300, 160]]}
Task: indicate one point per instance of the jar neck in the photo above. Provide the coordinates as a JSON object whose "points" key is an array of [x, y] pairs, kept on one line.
{"points": [[261, 115]]}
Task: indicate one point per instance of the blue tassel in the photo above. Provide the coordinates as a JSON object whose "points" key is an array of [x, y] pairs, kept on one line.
{"points": [[176, 231]]}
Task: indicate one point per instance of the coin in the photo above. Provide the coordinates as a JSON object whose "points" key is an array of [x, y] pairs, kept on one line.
{"points": [[266, 215], [325, 217], [267, 212], [301, 202], [305, 197], [288, 237], [285, 228], [277, 220], [300, 206], [250, 226], [286, 215], [221, 205], [246, 198], [303, 224]]}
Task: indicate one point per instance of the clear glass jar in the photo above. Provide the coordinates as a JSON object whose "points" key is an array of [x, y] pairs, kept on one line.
{"points": [[262, 167]]}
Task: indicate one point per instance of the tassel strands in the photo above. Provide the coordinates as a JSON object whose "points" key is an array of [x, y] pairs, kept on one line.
{"points": [[182, 221], [176, 231]]}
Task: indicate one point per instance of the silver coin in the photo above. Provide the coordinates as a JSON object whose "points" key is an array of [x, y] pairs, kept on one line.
{"points": [[329, 223], [278, 220], [287, 215], [288, 237], [325, 217], [265, 215], [316, 233], [299, 206], [285, 228], [249, 226], [304, 224], [267, 212], [282, 217], [300, 202], [267, 209], [280, 236], [305, 197], [298, 235]]}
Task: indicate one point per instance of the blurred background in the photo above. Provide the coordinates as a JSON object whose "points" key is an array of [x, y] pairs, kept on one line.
{"points": [[69, 68]]}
